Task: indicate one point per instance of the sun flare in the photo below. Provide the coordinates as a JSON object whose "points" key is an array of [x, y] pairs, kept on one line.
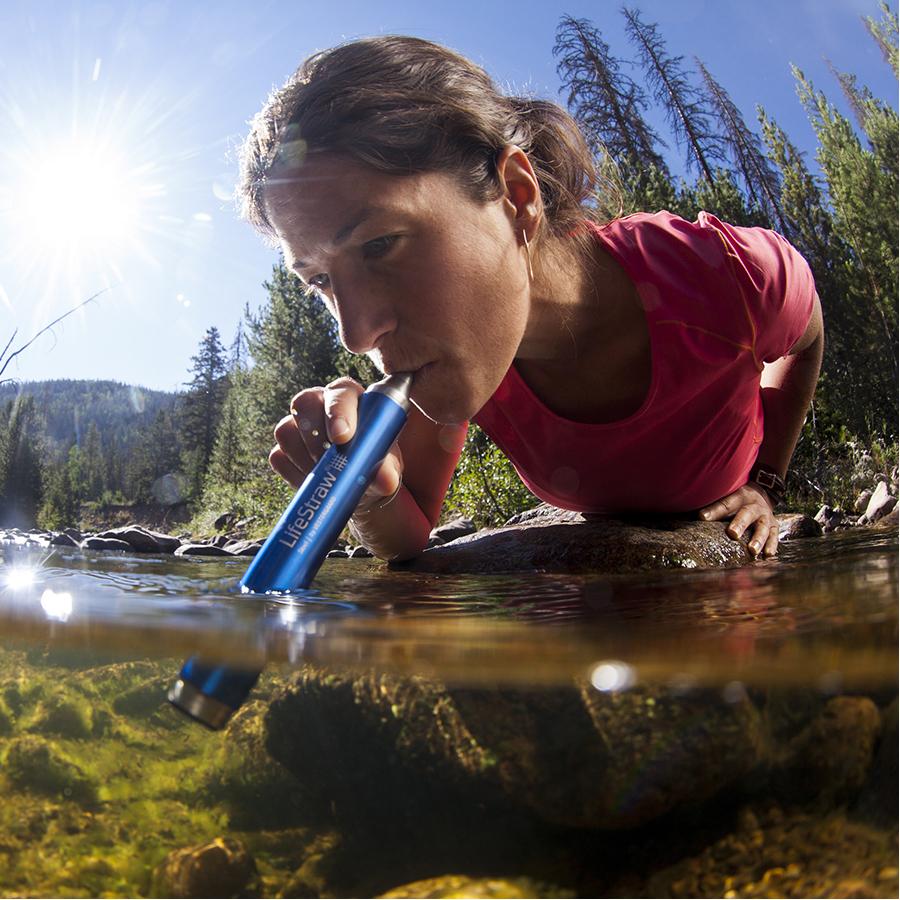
{"points": [[80, 197]]}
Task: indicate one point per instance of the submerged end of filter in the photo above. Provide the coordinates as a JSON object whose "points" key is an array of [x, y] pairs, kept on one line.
{"points": [[202, 708]]}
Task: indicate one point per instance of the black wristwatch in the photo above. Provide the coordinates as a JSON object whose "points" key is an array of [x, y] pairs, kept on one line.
{"points": [[770, 481]]}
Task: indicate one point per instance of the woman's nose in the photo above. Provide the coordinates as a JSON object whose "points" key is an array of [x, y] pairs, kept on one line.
{"points": [[363, 317]]}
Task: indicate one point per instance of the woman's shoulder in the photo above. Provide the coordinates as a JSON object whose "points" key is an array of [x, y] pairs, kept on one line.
{"points": [[662, 246]]}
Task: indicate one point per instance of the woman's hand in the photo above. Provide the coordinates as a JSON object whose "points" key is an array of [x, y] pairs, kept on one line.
{"points": [[747, 507], [321, 416]]}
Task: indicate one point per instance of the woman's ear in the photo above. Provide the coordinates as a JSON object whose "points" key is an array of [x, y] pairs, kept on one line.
{"points": [[521, 190]]}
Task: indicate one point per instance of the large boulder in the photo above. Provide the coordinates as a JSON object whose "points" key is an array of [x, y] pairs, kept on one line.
{"points": [[559, 540], [571, 756], [143, 540], [880, 503]]}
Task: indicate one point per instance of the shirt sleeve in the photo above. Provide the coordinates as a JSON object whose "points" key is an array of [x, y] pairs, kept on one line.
{"points": [[774, 282]]}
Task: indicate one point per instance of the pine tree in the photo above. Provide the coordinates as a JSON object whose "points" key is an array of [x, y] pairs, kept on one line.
{"points": [[885, 34], [684, 104], [95, 480], [863, 193], [202, 406], [158, 453], [294, 344], [21, 468], [747, 154]]}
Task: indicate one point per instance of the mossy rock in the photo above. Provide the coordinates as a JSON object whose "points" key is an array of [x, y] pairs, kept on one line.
{"points": [[33, 764], [142, 700], [257, 791], [64, 717], [7, 723], [828, 762], [452, 886], [13, 697], [221, 868]]}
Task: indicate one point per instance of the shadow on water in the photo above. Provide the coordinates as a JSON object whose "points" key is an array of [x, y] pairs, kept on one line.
{"points": [[678, 733]]}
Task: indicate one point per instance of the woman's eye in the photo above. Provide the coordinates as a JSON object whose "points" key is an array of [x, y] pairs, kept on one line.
{"points": [[379, 247]]}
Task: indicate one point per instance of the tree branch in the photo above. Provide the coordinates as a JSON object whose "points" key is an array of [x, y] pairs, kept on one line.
{"points": [[44, 330]]}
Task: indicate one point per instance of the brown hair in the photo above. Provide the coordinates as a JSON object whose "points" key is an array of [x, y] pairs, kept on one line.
{"points": [[405, 105]]}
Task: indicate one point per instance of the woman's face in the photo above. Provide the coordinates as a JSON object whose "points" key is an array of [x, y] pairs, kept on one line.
{"points": [[419, 277]]}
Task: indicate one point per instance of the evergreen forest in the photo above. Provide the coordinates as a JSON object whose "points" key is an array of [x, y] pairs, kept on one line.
{"points": [[70, 446]]}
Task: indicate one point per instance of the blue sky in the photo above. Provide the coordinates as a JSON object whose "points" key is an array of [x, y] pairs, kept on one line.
{"points": [[133, 111]]}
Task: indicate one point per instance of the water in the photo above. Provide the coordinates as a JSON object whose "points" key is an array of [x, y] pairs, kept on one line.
{"points": [[682, 733]]}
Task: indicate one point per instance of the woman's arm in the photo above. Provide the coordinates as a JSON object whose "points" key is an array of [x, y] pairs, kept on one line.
{"points": [[397, 526], [787, 386], [402, 505]]}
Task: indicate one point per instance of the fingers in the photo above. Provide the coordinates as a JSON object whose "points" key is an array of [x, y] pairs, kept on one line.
{"points": [[386, 483], [284, 467], [748, 510], [341, 402], [319, 417], [721, 509]]}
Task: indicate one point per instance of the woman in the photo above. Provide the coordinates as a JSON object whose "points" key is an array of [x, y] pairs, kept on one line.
{"points": [[646, 364]]}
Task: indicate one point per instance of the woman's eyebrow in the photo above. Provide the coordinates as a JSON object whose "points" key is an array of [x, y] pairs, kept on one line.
{"points": [[345, 231]]}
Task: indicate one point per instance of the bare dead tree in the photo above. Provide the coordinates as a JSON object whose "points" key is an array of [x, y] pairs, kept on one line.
{"points": [[605, 102], [761, 180], [684, 104]]}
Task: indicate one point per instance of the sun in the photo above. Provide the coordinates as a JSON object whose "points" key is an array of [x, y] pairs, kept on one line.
{"points": [[79, 197]]}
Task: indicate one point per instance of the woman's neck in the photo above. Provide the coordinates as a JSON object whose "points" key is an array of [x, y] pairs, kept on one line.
{"points": [[586, 350], [578, 305]]}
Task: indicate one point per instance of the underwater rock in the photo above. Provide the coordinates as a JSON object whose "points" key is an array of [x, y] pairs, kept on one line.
{"points": [[558, 540], [571, 757], [64, 540], [793, 526], [257, 791], [877, 802], [323, 859], [221, 868], [63, 717], [773, 853], [828, 762], [337, 554], [143, 699], [464, 886], [31, 763], [360, 552], [201, 550]]}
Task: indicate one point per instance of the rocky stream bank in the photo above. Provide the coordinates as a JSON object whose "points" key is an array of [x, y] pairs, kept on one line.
{"points": [[544, 538]]}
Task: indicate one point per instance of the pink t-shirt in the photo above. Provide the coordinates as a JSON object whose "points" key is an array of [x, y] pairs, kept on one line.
{"points": [[719, 301]]}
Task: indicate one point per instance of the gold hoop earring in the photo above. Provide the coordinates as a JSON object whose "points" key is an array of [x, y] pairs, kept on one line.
{"points": [[528, 256]]}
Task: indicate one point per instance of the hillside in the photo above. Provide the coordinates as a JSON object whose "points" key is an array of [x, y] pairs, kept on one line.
{"points": [[66, 408]]}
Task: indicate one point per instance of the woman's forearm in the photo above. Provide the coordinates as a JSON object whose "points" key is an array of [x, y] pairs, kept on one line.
{"points": [[392, 528]]}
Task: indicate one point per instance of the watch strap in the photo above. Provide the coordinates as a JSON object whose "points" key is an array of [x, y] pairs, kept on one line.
{"points": [[770, 481]]}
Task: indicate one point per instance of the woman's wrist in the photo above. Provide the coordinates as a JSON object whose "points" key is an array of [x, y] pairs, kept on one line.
{"points": [[391, 527]]}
